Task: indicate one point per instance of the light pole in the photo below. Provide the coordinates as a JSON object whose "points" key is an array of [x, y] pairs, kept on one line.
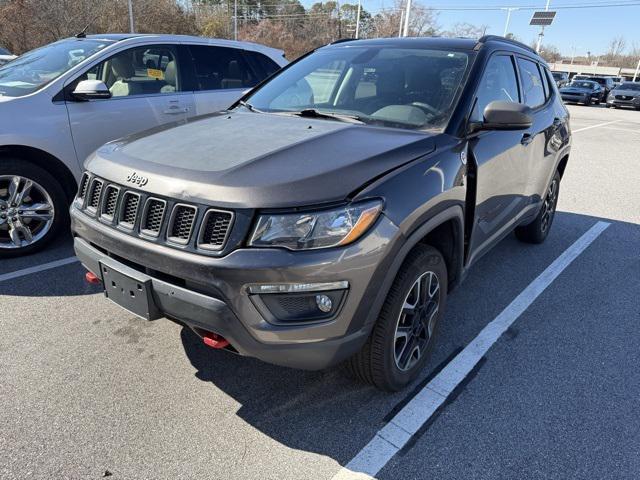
{"points": [[573, 53], [401, 20], [506, 24], [635, 75], [358, 19], [235, 20], [546, 9], [131, 17], [406, 19]]}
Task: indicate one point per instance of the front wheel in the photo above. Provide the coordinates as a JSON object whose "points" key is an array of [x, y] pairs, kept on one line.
{"points": [[537, 231], [33, 207], [402, 339]]}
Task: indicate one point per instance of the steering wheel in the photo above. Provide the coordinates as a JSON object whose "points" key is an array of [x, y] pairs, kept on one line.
{"points": [[426, 108]]}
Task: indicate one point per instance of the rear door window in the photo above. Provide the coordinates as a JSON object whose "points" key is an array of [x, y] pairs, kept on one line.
{"points": [[221, 68], [532, 84]]}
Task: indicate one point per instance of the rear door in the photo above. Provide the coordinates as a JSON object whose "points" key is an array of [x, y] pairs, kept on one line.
{"points": [[222, 75], [146, 87], [500, 158], [539, 139]]}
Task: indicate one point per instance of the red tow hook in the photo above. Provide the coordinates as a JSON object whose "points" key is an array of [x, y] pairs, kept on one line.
{"points": [[92, 278], [214, 340]]}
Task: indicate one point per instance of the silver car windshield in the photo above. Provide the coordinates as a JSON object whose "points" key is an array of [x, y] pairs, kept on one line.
{"points": [[414, 88], [36, 68]]}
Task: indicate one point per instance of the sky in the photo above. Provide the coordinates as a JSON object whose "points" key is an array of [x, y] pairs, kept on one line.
{"points": [[576, 29]]}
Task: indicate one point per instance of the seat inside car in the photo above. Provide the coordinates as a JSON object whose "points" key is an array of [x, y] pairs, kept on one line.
{"points": [[122, 70], [233, 76], [170, 77]]}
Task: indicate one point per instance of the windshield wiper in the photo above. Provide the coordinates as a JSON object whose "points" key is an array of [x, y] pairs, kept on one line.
{"points": [[341, 117], [249, 107]]}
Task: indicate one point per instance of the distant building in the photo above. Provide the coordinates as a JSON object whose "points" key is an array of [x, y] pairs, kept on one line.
{"points": [[575, 69]]}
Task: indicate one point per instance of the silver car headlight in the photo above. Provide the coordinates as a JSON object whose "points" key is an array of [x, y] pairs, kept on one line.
{"points": [[319, 229]]}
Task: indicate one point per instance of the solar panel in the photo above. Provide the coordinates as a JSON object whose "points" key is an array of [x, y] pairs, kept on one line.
{"points": [[542, 18]]}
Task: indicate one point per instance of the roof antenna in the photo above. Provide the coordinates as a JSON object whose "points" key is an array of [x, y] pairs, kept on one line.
{"points": [[83, 33]]}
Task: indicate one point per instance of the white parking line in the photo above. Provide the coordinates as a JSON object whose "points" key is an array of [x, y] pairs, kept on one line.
{"points": [[393, 436], [38, 268], [595, 126]]}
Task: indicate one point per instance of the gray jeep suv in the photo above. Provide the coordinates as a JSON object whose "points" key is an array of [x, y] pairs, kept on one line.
{"points": [[325, 217]]}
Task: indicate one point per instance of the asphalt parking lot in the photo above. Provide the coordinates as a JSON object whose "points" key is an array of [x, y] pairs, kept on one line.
{"points": [[87, 390]]}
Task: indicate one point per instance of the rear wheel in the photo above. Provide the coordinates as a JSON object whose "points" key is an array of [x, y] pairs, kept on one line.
{"points": [[33, 208], [402, 339], [537, 231]]}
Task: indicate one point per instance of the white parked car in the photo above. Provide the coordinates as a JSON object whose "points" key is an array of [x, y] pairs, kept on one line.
{"points": [[61, 102]]}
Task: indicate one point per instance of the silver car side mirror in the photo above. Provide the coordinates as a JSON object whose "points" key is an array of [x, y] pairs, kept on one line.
{"points": [[91, 90]]}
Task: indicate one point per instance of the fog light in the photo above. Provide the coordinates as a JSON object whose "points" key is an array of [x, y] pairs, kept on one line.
{"points": [[324, 303]]}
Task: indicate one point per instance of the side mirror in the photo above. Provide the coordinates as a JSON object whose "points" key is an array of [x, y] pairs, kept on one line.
{"points": [[500, 115], [91, 90]]}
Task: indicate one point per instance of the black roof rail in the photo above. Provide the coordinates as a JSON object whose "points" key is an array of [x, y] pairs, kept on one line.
{"points": [[498, 38]]}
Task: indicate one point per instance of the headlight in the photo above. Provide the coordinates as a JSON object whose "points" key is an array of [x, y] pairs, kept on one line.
{"points": [[319, 229]]}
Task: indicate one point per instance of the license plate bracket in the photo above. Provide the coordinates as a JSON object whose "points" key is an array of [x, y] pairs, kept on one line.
{"points": [[133, 291]]}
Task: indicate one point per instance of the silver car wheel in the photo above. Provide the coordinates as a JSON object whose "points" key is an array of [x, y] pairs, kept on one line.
{"points": [[416, 321], [26, 212]]}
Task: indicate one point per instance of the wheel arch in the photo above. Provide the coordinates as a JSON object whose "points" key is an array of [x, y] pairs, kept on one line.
{"points": [[444, 231], [562, 164], [47, 162]]}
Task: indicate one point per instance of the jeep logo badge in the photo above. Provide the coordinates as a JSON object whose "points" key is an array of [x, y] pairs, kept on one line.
{"points": [[137, 179]]}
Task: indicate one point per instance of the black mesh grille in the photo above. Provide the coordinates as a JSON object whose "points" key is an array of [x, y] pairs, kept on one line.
{"points": [[96, 190], [129, 208], [183, 217], [110, 201], [177, 225], [84, 183], [215, 230], [298, 305], [153, 220]]}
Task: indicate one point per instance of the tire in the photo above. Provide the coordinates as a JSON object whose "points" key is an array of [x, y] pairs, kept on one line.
{"points": [[42, 224], [537, 231], [588, 102], [380, 359]]}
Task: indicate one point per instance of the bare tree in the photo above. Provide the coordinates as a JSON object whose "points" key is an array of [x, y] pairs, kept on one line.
{"points": [[466, 30]]}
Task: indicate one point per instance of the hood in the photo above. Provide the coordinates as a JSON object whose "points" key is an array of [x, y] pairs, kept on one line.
{"points": [[575, 90], [258, 160]]}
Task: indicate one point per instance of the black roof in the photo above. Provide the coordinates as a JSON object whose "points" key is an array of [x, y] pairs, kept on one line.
{"points": [[442, 42]]}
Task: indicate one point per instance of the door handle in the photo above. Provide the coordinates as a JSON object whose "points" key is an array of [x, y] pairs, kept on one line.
{"points": [[526, 139], [176, 109]]}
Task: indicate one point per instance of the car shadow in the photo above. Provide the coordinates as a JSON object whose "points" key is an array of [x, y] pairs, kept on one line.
{"points": [[319, 411]]}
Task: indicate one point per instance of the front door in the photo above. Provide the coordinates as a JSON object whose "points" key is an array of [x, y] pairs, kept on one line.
{"points": [[146, 92], [501, 161]]}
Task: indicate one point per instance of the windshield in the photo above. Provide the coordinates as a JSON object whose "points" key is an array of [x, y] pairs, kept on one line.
{"points": [[36, 68], [630, 86], [396, 87], [557, 76], [589, 85]]}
